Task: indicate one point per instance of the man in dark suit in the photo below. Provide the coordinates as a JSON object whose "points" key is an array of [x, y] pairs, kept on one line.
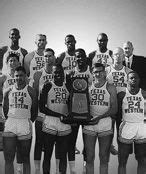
{"points": [[136, 63]]}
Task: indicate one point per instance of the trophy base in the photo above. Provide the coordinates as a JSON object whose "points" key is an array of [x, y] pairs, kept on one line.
{"points": [[76, 119]]}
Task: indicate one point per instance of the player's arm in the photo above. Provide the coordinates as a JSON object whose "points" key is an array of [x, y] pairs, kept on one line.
{"points": [[90, 58], [2, 52], [120, 97], [43, 101], [34, 106], [60, 58], [27, 60], [110, 53], [113, 102], [2, 80], [5, 103], [24, 52], [34, 81]]}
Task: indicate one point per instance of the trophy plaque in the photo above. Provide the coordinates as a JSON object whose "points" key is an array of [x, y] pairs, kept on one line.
{"points": [[79, 107]]}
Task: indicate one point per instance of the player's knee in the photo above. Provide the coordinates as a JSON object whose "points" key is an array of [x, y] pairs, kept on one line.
{"points": [[103, 158], [9, 157], [90, 158]]}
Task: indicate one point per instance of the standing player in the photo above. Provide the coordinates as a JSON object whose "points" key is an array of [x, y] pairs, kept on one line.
{"points": [[14, 35], [39, 78], [19, 107], [6, 80], [103, 107], [117, 74], [133, 127], [81, 70], [102, 54], [67, 59], [53, 103], [34, 60]]}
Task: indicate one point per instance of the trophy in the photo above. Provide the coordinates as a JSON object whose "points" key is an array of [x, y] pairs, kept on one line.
{"points": [[79, 107]]}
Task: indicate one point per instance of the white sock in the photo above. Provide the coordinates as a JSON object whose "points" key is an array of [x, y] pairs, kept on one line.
{"points": [[72, 167], [37, 164], [19, 169], [57, 166]]}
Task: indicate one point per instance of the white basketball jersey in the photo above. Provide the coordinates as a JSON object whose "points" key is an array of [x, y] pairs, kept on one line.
{"points": [[103, 58], [133, 107], [9, 51], [118, 78], [68, 63], [36, 63], [19, 103], [9, 81], [99, 100], [44, 77], [57, 99], [87, 74]]}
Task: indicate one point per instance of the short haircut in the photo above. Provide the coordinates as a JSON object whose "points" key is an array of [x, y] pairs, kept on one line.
{"points": [[102, 34], [70, 35], [20, 68], [96, 65], [43, 35], [50, 49], [132, 72], [80, 50], [12, 55], [129, 43], [15, 29]]}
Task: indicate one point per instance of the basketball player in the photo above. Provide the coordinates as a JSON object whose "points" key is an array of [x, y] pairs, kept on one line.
{"points": [[102, 54], [103, 107], [19, 108], [34, 60], [67, 59], [117, 75], [14, 35], [53, 103], [39, 78], [81, 70], [133, 127], [6, 80]]}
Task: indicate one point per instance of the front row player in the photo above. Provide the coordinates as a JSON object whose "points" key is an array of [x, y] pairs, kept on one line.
{"points": [[133, 126], [103, 107], [19, 109], [53, 103]]}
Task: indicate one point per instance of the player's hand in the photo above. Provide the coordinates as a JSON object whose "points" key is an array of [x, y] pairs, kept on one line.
{"points": [[94, 121]]}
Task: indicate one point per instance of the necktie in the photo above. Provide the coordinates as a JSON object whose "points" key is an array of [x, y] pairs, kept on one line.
{"points": [[128, 64]]}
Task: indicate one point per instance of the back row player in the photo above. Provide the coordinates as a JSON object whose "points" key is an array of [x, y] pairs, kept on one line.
{"points": [[14, 47]]}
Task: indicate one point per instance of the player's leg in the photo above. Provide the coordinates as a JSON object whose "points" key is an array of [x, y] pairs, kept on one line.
{"points": [[104, 152], [89, 144], [124, 151], [71, 147], [24, 147], [38, 145], [49, 141], [113, 149], [62, 143], [9, 150], [140, 155]]}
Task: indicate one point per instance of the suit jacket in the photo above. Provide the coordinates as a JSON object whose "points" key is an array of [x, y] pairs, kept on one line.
{"points": [[139, 65]]}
